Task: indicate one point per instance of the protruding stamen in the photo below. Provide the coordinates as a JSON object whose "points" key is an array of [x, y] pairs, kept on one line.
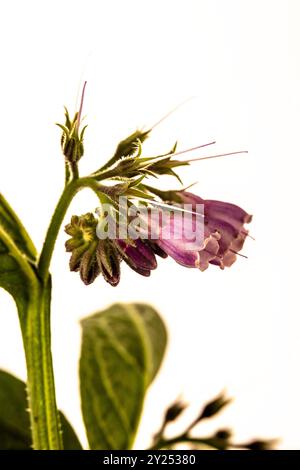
{"points": [[247, 235], [239, 254], [170, 113], [81, 105], [215, 156], [189, 186], [192, 148], [170, 154]]}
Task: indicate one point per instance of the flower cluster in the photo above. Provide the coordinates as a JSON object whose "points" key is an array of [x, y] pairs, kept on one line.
{"points": [[219, 440], [224, 236], [92, 256], [223, 224]]}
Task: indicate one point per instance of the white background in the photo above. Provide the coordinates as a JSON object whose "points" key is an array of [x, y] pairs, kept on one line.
{"points": [[237, 329]]}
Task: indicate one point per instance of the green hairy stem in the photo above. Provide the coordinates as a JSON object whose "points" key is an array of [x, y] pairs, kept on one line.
{"points": [[35, 327], [44, 417]]}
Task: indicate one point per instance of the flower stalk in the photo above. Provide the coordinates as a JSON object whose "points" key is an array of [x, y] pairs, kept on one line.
{"points": [[65, 200]]}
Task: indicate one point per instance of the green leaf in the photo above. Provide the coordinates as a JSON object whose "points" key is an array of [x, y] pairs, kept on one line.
{"points": [[122, 350], [17, 274], [14, 419], [17, 253], [15, 229]]}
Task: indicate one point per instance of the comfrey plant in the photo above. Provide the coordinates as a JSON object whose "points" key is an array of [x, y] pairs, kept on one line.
{"points": [[123, 346]]}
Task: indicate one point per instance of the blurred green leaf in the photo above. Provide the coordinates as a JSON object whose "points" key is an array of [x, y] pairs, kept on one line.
{"points": [[14, 419], [122, 350], [70, 440]]}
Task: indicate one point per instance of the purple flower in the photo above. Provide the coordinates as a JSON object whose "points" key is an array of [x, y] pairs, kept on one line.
{"points": [[219, 226], [179, 246], [224, 222], [137, 254]]}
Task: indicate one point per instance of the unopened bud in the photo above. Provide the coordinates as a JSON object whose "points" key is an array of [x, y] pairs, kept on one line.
{"points": [[72, 138], [128, 146], [174, 411], [261, 445], [214, 407], [89, 268], [108, 261], [223, 434], [89, 255]]}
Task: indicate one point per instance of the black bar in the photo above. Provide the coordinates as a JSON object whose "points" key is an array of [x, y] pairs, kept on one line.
{"points": [[135, 459]]}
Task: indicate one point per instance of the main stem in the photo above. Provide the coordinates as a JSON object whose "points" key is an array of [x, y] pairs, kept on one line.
{"points": [[44, 418], [35, 326], [45, 427]]}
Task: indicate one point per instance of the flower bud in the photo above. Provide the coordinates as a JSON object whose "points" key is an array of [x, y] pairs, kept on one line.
{"points": [[126, 148], [223, 434], [174, 411], [76, 257], [72, 138], [260, 444], [89, 267], [89, 255], [213, 407], [82, 245], [108, 261], [156, 249], [138, 255]]}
